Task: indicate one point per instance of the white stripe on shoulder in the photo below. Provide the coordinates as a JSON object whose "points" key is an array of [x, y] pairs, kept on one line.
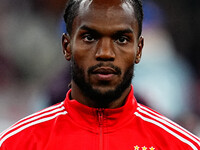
{"points": [[43, 110], [32, 119], [166, 129], [34, 114], [31, 124], [170, 123]]}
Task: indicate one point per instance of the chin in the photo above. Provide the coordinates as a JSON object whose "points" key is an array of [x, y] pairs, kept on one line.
{"points": [[104, 89]]}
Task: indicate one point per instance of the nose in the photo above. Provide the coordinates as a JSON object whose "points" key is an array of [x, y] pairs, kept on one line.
{"points": [[105, 50]]}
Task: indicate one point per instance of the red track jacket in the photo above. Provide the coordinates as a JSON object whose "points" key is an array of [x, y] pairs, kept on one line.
{"points": [[73, 126]]}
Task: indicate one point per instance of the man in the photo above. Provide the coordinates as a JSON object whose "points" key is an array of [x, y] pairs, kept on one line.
{"points": [[100, 112]]}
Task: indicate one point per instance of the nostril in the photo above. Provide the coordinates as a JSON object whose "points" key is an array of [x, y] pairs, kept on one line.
{"points": [[105, 54]]}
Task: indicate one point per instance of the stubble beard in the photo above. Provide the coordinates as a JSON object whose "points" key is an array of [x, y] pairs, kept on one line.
{"points": [[102, 100]]}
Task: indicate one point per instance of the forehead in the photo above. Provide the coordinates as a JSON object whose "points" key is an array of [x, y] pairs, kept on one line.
{"points": [[105, 14], [88, 5]]}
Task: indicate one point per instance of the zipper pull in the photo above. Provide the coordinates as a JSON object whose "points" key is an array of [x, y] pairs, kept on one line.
{"points": [[100, 115]]}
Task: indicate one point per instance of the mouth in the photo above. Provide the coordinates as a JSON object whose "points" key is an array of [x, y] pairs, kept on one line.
{"points": [[104, 70], [104, 73]]}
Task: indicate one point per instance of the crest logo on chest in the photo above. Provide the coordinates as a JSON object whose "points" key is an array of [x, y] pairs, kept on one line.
{"points": [[143, 148]]}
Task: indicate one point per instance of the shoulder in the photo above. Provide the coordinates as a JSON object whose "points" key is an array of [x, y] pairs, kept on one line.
{"points": [[22, 129], [166, 127]]}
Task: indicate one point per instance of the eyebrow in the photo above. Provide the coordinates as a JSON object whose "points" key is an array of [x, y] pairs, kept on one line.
{"points": [[120, 32], [124, 31], [84, 27]]}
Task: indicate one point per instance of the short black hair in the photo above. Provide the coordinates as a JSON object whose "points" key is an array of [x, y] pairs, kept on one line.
{"points": [[72, 8]]}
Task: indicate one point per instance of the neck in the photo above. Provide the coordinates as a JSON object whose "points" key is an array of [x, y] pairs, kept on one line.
{"points": [[78, 95]]}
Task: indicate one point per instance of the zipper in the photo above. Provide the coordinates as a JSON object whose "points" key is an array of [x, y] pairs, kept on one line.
{"points": [[100, 114]]}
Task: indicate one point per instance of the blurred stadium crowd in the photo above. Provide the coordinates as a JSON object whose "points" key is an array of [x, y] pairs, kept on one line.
{"points": [[34, 73]]}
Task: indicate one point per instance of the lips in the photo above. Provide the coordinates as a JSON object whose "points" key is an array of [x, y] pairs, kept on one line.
{"points": [[104, 71]]}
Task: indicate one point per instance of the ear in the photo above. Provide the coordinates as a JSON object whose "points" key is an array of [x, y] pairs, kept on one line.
{"points": [[139, 49], [66, 46]]}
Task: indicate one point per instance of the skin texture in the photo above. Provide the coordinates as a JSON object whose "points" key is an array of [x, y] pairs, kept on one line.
{"points": [[103, 48]]}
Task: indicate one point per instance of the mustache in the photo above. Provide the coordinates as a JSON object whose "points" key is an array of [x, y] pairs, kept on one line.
{"points": [[117, 69]]}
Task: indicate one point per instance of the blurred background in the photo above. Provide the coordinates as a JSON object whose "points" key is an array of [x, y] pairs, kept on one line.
{"points": [[34, 74]]}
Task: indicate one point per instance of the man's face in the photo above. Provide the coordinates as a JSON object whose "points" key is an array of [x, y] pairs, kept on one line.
{"points": [[104, 46]]}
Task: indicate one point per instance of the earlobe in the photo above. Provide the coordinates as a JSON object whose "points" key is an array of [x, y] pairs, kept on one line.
{"points": [[66, 46], [139, 50], [138, 57]]}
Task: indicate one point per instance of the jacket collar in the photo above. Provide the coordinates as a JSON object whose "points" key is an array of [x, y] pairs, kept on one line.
{"points": [[91, 118]]}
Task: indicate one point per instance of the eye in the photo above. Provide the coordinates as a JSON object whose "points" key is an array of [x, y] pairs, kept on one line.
{"points": [[122, 40], [88, 38]]}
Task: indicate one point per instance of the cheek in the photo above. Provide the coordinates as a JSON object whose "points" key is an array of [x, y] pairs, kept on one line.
{"points": [[126, 59], [126, 63], [82, 52], [127, 53], [82, 58], [79, 53], [130, 58]]}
